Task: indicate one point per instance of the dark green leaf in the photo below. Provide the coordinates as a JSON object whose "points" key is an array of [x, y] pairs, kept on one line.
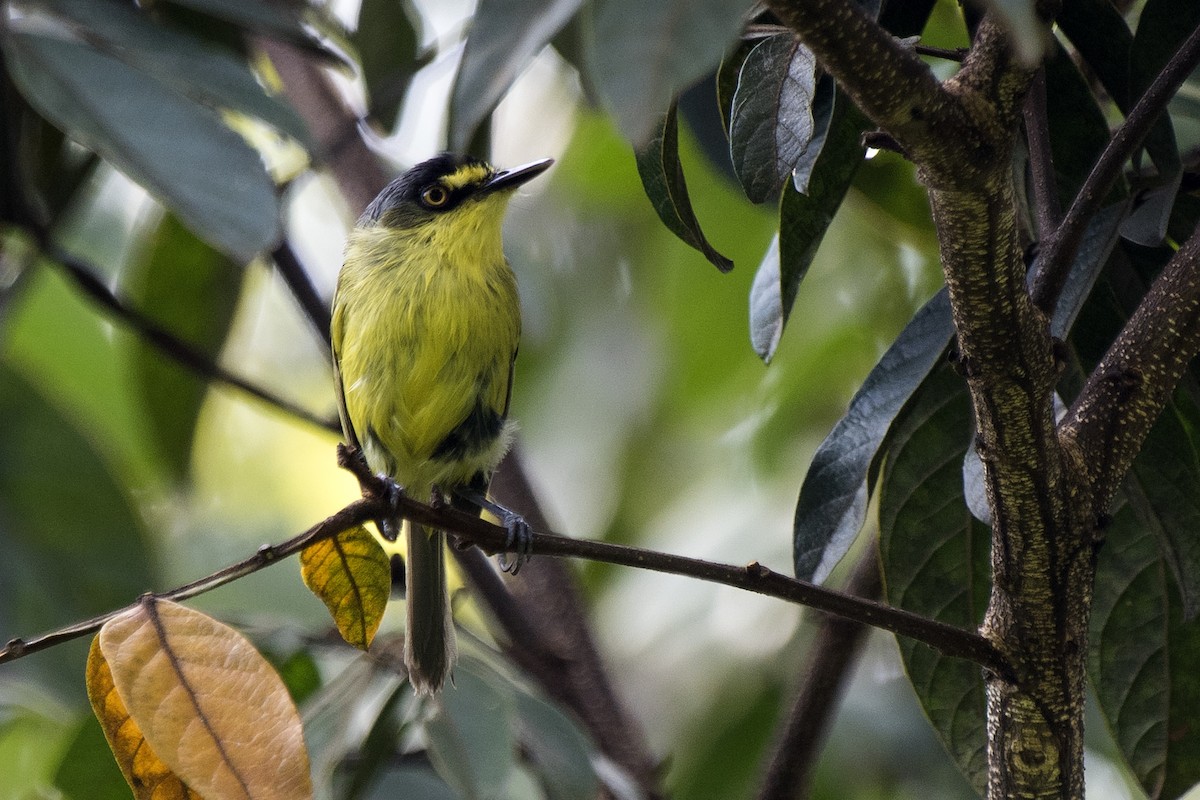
{"points": [[1142, 657], [179, 151], [727, 78], [411, 783], [823, 107], [191, 290], [1102, 38], [641, 55], [935, 559], [208, 74], [1166, 479], [771, 120], [387, 39], [662, 177], [505, 36], [73, 545], [803, 220], [1147, 225], [1162, 27], [471, 742], [833, 498], [559, 751], [1078, 129], [87, 769], [300, 22]]}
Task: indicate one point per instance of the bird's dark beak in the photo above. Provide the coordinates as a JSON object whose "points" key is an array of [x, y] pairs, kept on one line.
{"points": [[512, 178]]}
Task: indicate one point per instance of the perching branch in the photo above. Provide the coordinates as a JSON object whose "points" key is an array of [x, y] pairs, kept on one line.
{"points": [[1054, 261], [471, 530]]}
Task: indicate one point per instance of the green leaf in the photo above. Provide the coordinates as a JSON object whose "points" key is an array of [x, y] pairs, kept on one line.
{"points": [[87, 769], [471, 742], [771, 120], [388, 40], [803, 220], [191, 290], [1142, 657], [176, 149], [1078, 129], [300, 22], [505, 36], [559, 751], [935, 559], [641, 55], [727, 78], [1166, 478], [73, 545], [1102, 38], [662, 177], [209, 74], [833, 498]]}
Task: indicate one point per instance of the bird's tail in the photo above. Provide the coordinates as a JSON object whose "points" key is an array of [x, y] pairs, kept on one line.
{"points": [[430, 649]]}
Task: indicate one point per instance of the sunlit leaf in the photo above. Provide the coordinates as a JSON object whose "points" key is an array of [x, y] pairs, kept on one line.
{"points": [[191, 290], [73, 544], [935, 559], [387, 39], [641, 55], [662, 177], [192, 66], [207, 703], [771, 120], [177, 149], [146, 774], [803, 220], [351, 575], [833, 498], [505, 36]]}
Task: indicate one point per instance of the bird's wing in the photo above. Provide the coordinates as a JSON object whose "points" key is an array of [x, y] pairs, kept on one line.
{"points": [[336, 339]]}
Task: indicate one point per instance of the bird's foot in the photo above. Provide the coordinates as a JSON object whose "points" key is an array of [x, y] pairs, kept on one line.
{"points": [[518, 542], [392, 494]]}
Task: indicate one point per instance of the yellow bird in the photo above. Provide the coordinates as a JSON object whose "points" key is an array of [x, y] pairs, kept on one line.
{"points": [[426, 321]]}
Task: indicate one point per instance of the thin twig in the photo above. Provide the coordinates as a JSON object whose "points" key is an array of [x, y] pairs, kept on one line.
{"points": [[1057, 254], [172, 346], [472, 530], [354, 514], [302, 288], [1048, 214]]}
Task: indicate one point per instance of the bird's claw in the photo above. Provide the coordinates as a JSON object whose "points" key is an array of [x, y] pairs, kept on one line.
{"points": [[393, 493], [518, 542]]}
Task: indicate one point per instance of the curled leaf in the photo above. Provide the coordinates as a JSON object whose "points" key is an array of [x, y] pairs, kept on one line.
{"points": [[662, 177]]}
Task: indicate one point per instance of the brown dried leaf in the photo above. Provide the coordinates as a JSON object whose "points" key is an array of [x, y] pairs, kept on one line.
{"points": [[147, 775], [209, 705]]}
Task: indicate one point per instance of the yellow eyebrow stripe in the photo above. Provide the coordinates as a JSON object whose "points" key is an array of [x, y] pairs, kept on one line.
{"points": [[466, 176]]}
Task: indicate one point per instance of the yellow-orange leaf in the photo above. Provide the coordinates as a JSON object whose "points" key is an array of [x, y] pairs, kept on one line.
{"points": [[148, 776], [208, 704], [351, 575]]}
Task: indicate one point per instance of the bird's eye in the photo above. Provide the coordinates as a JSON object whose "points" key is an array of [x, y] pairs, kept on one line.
{"points": [[435, 196]]}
